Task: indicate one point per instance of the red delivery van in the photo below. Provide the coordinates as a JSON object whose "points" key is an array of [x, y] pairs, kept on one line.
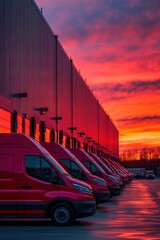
{"points": [[78, 170], [94, 168], [125, 171], [106, 169], [33, 184], [122, 175]]}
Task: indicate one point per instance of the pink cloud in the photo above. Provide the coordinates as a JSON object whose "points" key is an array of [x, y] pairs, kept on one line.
{"points": [[114, 37], [114, 43]]}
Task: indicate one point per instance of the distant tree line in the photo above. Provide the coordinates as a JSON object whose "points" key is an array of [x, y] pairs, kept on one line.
{"points": [[148, 158]]}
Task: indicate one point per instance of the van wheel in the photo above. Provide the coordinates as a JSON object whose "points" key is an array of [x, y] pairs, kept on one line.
{"points": [[62, 214]]}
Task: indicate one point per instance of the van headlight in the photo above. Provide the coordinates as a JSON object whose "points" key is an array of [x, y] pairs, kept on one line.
{"points": [[112, 179], [100, 182], [82, 188], [118, 178]]}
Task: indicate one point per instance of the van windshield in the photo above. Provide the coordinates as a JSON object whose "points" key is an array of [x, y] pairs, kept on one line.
{"points": [[80, 165], [50, 158], [55, 163], [104, 167], [149, 171], [96, 165]]}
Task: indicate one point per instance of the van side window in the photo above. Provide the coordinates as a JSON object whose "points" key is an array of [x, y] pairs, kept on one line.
{"points": [[102, 166], [87, 165], [38, 167], [92, 168], [77, 172], [65, 163], [72, 168]]}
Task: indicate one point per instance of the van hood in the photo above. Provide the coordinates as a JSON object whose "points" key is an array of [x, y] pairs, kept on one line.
{"points": [[98, 178], [77, 181]]}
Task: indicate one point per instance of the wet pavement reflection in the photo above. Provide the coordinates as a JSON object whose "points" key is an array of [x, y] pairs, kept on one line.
{"points": [[134, 214]]}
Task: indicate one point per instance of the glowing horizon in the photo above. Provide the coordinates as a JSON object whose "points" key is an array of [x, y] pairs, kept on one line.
{"points": [[116, 47]]}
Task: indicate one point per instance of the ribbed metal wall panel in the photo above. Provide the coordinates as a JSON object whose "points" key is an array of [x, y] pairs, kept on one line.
{"points": [[79, 102], [28, 52], [64, 88], [33, 61], [92, 115], [102, 127]]}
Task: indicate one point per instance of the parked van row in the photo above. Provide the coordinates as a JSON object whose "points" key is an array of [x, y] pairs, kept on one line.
{"points": [[47, 180]]}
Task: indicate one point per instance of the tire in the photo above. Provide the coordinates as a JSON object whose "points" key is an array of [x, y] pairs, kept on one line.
{"points": [[62, 214]]}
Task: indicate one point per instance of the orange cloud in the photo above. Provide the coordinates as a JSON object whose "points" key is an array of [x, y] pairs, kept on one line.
{"points": [[116, 47], [134, 107]]}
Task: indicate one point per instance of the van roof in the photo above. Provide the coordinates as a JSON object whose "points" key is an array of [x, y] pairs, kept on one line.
{"points": [[22, 140], [82, 156], [16, 139], [59, 152]]}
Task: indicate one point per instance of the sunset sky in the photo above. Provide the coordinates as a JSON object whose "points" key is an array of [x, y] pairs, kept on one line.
{"points": [[116, 46]]}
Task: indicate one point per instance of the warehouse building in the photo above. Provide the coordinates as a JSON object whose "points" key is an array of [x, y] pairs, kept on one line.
{"points": [[41, 92]]}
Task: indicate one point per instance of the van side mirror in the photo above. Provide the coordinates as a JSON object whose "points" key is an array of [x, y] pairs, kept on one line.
{"points": [[76, 173], [96, 172], [54, 176]]}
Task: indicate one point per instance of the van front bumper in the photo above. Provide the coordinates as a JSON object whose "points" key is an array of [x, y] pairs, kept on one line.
{"points": [[102, 196], [84, 208], [115, 190]]}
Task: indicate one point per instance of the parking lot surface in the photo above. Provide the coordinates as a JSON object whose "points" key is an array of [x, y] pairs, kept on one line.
{"points": [[134, 214]]}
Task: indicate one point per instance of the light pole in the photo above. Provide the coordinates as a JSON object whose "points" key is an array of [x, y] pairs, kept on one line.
{"points": [[57, 119], [72, 129]]}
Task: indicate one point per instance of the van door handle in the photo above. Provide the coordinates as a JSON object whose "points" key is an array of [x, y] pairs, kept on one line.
{"points": [[26, 187]]}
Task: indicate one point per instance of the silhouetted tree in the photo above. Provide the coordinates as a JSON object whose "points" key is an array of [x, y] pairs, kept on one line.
{"points": [[148, 158]]}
